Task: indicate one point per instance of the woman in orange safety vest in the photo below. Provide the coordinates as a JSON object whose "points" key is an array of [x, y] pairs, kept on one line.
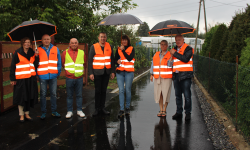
{"points": [[23, 78], [161, 70], [125, 60]]}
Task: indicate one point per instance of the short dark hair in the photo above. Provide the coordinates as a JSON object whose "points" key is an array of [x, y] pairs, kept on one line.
{"points": [[23, 40], [102, 33], [125, 37], [165, 41]]}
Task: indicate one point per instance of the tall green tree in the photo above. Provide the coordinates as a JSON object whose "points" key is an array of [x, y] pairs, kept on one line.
{"points": [[207, 41], [216, 40], [143, 29], [223, 45], [236, 39], [73, 18]]}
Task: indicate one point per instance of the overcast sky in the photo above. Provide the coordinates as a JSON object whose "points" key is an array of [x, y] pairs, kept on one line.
{"points": [[154, 11]]}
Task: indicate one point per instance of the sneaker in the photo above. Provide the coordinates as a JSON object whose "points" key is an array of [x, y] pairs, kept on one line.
{"points": [[188, 116], [80, 113], [96, 112], [56, 114], [127, 111], [177, 116], [121, 114], [69, 114], [105, 111], [43, 116]]}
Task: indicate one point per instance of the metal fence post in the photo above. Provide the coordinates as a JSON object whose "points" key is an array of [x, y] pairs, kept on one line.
{"points": [[236, 117]]}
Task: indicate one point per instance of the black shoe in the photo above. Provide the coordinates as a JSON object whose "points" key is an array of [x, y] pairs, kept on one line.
{"points": [[95, 113], [177, 116], [105, 111], [22, 121], [29, 119], [127, 111], [188, 117], [121, 114]]}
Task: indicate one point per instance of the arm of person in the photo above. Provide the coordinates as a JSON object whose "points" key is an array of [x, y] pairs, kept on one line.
{"points": [[14, 61], [188, 53], [117, 57], [90, 60], [129, 57], [59, 63], [63, 59], [112, 61]]}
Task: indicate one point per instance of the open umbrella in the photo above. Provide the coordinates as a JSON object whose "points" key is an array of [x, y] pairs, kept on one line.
{"points": [[32, 29], [120, 19], [171, 28]]}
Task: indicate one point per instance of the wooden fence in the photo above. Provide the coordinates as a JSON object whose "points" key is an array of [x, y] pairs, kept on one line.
{"points": [[6, 89]]}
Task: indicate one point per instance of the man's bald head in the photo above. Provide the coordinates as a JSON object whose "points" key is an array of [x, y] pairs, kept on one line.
{"points": [[73, 43], [46, 40], [179, 39]]}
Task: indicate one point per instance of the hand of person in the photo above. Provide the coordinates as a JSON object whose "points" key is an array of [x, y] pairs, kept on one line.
{"points": [[13, 82], [112, 76], [151, 78], [91, 77], [122, 47], [172, 51], [36, 52], [119, 61]]}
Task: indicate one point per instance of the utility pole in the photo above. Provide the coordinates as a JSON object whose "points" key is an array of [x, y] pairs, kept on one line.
{"points": [[197, 28], [205, 16]]}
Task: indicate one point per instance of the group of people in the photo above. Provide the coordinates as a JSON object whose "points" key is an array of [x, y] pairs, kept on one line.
{"points": [[176, 65], [44, 64]]}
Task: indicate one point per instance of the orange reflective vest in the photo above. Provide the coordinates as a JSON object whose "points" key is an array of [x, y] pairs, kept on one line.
{"points": [[46, 65], [25, 68], [125, 64], [162, 69], [100, 60], [180, 65]]}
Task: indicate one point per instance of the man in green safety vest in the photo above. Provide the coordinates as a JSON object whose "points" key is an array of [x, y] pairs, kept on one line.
{"points": [[73, 62]]}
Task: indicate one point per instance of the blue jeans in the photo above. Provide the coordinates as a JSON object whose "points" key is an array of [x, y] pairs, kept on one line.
{"points": [[127, 78], [43, 91], [71, 86], [180, 87]]}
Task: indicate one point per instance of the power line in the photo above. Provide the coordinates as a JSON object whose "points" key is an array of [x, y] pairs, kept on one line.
{"points": [[188, 11], [228, 3]]}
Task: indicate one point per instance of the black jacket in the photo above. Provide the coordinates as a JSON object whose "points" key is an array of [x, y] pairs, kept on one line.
{"points": [[188, 53]]}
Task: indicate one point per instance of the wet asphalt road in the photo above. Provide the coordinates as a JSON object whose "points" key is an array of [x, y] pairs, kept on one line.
{"points": [[142, 130]]}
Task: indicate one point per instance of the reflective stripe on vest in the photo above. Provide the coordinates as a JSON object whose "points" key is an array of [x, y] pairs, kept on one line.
{"points": [[162, 69], [180, 65], [125, 64], [100, 60], [25, 68], [76, 67], [46, 65]]}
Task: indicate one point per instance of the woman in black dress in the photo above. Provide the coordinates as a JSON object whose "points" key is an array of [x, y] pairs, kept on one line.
{"points": [[23, 78]]}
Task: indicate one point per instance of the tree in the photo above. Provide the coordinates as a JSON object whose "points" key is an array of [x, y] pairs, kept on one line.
{"points": [[73, 18], [223, 45], [214, 46], [237, 37], [207, 41], [143, 29]]}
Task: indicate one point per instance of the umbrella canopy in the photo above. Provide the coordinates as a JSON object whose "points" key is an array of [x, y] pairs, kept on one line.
{"points": [[120, 19], [171, 28], [31, 28]]}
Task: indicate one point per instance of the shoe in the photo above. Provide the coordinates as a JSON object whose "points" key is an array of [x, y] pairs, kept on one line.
{"points": [[43, 116], [105, 111], [164, 113], [29, 119], [95, 113], [159, 114], [80, 114], [177, 116], [22, 121], [69, 114], [127, 111], [188, 116], [56, 114], [121, 114]]}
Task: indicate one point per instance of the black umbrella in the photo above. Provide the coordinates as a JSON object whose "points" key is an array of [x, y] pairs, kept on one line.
{"points": [[171, 27], [32, 29], [120, 19]]}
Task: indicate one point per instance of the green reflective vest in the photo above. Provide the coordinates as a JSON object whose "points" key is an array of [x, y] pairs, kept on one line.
{"points": [[77, 67]]}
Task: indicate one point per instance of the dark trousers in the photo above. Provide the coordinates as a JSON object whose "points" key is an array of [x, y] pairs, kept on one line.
{"points": [[180, 87], [101, 83]]}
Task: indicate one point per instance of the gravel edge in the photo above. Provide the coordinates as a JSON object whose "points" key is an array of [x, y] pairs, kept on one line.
{"points": [[216, 130]]}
